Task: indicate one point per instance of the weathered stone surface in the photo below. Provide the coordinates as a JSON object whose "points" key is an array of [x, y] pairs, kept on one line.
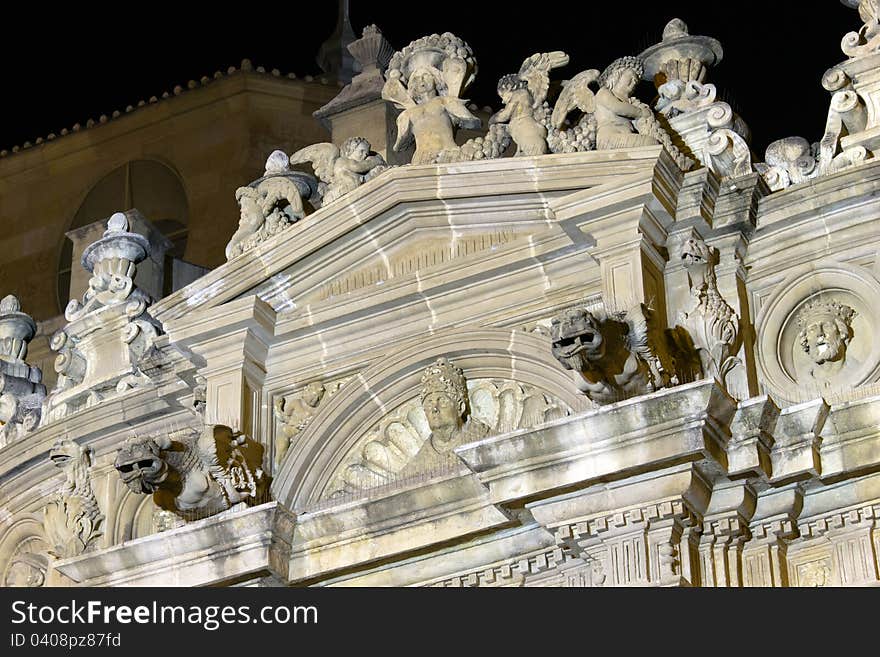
{"points": [[394, 356]]}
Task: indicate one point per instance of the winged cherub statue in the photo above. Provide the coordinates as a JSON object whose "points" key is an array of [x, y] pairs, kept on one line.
{"points": [[620, 119], [524, 96], [424, 80], [341, 170]]}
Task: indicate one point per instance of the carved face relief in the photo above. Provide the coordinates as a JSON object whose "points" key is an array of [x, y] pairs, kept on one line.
{"points": [[141, 466], [625, 84], [442, 411], [250, 211], [360, 152], [312, 394], [694, 252], [825, 331], [422, 86], [576, 339], [823, 341]]}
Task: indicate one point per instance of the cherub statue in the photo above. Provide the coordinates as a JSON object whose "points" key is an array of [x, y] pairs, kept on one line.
{"points": [[524, 96], [295, 412], [341, 170], [621, 120], [425, 80], [267, 205]]}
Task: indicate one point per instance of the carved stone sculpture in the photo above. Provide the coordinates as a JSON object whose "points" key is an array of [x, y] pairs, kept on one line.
{"points": [[788, 162], [709, 320], [866, 40], [617, 356], [418, 437], [72, 519], [621, 120], [110, 332], [21, 390], [444, 399], [825, 331], [269, 204], [425, 80], [341, 170], [294, 412], [195, 475], [525, 109], [26, 570]]}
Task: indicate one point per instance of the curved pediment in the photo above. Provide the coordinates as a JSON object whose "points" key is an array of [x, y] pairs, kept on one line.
{"points": [[396, 447], [513, 381]]}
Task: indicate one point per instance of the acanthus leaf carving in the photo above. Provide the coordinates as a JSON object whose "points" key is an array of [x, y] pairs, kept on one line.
{"points": [[72, 519], [710, 321]]}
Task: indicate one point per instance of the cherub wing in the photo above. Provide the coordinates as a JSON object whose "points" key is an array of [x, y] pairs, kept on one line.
{"points": [[404, 131], [322, 156], [535, 71], [394, 91], [460, 114], [576, 94], [455, 74]]}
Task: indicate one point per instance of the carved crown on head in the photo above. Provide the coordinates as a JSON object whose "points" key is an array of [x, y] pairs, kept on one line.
{"points": [[443, 376], [829, 308]]}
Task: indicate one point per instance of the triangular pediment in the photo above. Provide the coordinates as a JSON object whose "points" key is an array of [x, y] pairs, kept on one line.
{"points": [[419, 220]]}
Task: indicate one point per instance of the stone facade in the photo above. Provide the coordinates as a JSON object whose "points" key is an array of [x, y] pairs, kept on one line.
{"points": [[593, 343]]}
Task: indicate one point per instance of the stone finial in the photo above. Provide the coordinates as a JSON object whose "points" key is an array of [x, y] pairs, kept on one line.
{"points": [[118, 223], [680, 55], [675, 29], [372, 51], [16, 329], [21, 389], [9, 304]]}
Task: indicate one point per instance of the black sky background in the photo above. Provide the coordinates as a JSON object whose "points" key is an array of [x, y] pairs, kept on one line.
{"points": [[66, 66]]}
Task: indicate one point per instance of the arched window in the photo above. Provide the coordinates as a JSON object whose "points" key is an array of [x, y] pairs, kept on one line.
{"points": [[151, 187]]}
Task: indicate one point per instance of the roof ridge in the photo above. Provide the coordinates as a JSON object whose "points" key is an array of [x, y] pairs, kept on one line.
{"points": [[246, 66]]}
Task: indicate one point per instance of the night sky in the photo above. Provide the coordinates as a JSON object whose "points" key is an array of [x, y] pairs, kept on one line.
{"points": [[64, 69]]}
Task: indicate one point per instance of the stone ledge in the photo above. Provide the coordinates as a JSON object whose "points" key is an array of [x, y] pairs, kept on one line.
{"points": [[202, 553], [686, 423]]}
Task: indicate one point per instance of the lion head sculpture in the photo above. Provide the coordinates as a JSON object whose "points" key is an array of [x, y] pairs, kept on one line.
{"points": [[577, 339], [141, 466]]}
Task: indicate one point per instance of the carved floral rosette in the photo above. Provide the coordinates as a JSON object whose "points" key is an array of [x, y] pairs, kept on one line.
{"points": [[381, 455]]}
